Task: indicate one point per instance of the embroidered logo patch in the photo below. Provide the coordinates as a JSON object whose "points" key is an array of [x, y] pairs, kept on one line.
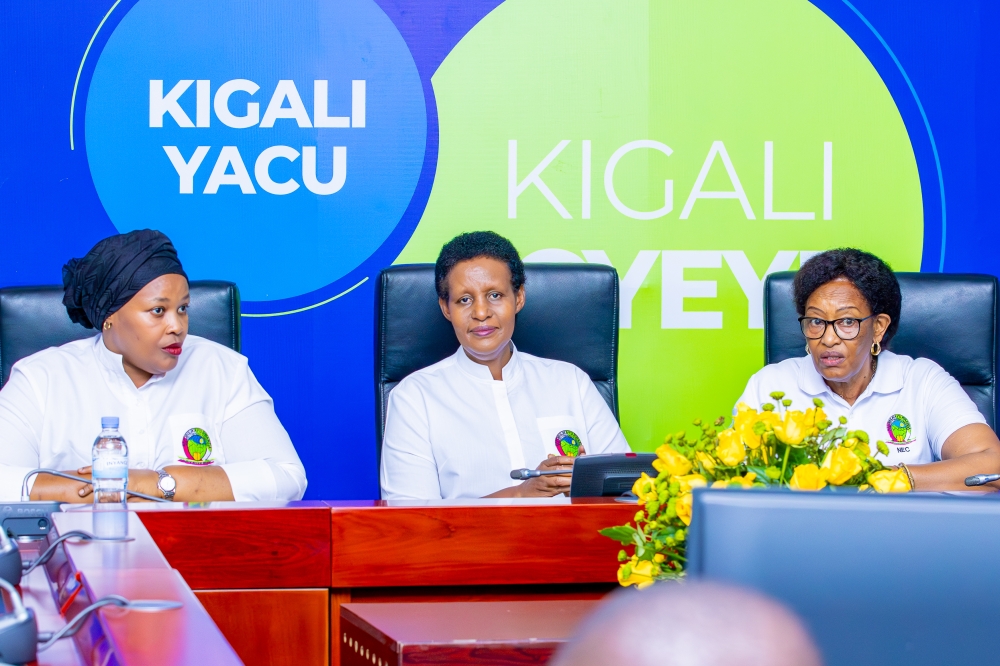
{"points": [[899, 429], [567, 443], [197, 447]]}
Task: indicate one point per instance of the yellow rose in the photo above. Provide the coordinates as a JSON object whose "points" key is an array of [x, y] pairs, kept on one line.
{"points": [[671, 462], [816, 414], [843, 464], [691, 481], [808, 477], [721, 483], [794, 427], [745, 481], [706, 460], [744, 421], [645, 488], [640, 573], [683, 507], [730, 450], [890, 481]]}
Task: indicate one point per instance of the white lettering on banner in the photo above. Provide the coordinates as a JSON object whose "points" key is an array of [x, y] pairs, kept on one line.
{"points": [[337, 178], [160, 105], [186, 170], [609, 185], [516, 188], [203, 97], [320, 99], [674, 288], [262, 174], [752, 286], [230, 168], [358, 88], [828, 180], [769, 212], [631, 283], [229, 156], [718, 148], [222, 112], [296, 110]]}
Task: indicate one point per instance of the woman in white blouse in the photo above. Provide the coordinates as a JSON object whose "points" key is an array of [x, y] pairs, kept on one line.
{"points": [[198, 425], [457, 428], [849, 303]]}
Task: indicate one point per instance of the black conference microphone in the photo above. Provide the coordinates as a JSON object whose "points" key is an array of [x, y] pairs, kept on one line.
{"points": [[524, 473], [982, 479]]}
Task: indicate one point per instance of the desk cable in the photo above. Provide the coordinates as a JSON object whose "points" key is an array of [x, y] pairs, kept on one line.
{"points": [[54, 472], [48, 638], [50, 551]]}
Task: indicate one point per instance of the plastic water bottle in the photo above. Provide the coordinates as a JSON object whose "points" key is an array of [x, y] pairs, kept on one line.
{"points": [[110, 464]]}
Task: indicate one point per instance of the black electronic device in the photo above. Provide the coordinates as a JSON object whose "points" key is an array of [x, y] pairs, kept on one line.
{"points": [[609, 474], [31, 519], [10, 560], [18, 630]]}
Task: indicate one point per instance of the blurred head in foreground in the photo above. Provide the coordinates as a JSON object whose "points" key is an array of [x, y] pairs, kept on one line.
{"points": [[690, 624]]}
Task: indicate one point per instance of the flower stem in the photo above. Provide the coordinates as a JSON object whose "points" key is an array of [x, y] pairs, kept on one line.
{"points": [[784, 465]]}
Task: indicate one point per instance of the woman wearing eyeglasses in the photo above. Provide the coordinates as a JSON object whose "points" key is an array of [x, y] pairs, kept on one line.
{"points": [[849, 303]]}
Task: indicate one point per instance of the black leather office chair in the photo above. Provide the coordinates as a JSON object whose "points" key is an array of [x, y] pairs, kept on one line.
{"points": [[34, 318], [571, 314], [950, 319]]}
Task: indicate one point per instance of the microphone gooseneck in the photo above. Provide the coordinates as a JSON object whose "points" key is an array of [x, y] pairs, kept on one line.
{"points": [[524, 473], [981, 479], [25, 497]]}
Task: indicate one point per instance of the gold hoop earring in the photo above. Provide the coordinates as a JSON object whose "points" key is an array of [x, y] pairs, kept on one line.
{"points": [[876, 348], [107, 325]]}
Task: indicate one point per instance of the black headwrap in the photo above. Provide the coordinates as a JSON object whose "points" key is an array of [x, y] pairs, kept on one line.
{"points": [[113, 272]]}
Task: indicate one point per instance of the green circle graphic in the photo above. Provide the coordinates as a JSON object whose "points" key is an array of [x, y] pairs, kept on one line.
{"points": [[774, 92]]}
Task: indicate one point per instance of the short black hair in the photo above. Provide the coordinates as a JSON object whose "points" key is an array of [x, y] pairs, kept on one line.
{"points": [[472, 245], [869, 274]]}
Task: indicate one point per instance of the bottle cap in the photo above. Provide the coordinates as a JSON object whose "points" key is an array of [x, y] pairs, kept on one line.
{"points": [[109, 422]]}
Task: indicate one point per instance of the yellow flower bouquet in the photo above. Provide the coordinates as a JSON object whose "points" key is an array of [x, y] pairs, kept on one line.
{"points": [[774, 447]]}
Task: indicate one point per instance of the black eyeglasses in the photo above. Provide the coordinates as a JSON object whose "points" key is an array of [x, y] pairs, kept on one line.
{"points": [[846, 328]]}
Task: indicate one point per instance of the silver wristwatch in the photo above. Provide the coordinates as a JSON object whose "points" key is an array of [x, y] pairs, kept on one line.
{"points": [[167, 485]]}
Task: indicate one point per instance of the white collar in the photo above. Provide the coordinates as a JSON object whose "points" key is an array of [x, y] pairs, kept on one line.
{"points": [[888, 378], [113, 364], [511, 372]]}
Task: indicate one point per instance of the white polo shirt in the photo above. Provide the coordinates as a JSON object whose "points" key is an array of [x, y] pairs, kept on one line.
{"points": [[453, 431], [51, 409], [912, 405]]}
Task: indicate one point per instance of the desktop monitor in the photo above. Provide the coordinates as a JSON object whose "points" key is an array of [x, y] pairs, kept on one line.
{"points": [[879, 579], [609, 474]]}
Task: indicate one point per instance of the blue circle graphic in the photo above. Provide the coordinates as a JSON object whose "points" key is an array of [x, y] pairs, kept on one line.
{"points": [[198, 69]]}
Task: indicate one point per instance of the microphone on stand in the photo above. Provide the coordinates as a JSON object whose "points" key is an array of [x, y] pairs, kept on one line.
{"points": [[524, 473], [982, 479]]}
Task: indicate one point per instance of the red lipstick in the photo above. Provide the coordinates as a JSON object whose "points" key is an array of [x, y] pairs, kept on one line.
{"points": [[174, 349]]}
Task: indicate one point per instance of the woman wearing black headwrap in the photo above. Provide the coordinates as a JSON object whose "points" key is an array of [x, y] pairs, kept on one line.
{"points": [[198, 425]]}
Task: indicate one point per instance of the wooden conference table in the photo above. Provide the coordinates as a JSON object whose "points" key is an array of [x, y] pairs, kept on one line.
{"points": [[273, 577]]}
